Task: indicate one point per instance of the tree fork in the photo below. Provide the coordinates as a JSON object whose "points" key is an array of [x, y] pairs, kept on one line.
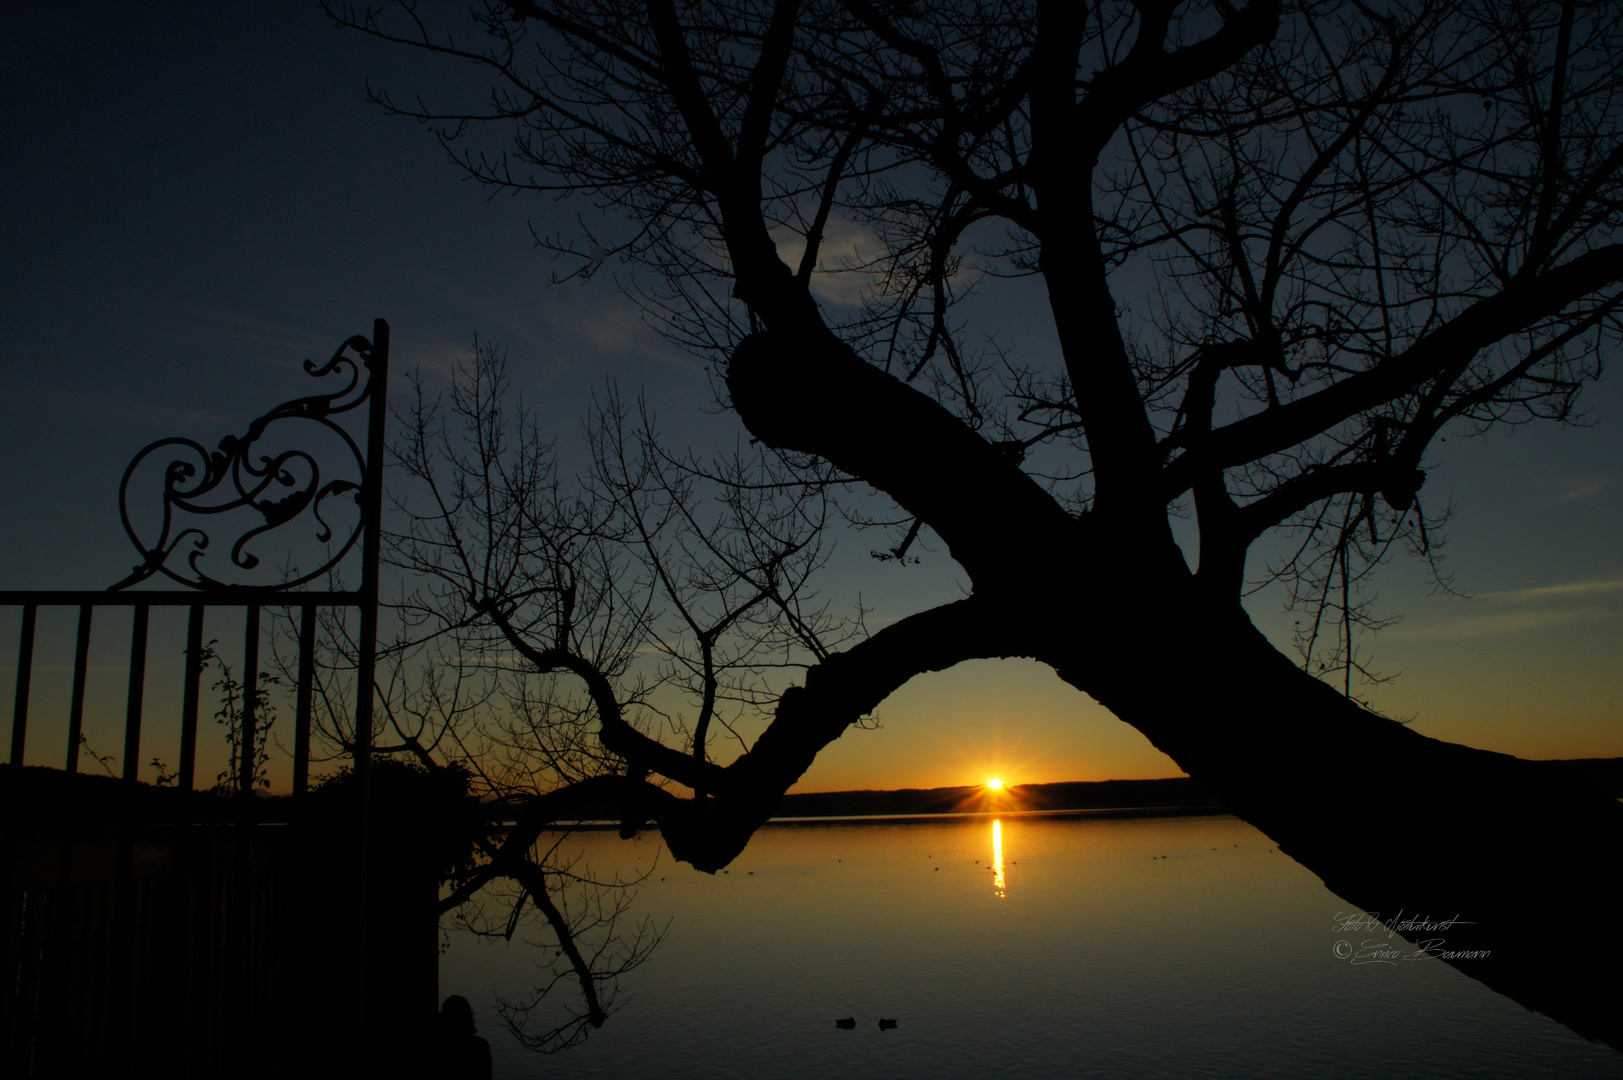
{"points": [[837, 693]]}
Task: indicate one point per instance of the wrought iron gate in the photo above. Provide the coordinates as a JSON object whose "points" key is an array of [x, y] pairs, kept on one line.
{"points": [[185, 935]]}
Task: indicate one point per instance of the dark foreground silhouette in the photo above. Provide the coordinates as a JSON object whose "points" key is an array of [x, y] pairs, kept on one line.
{"points": [[459, 1052]]}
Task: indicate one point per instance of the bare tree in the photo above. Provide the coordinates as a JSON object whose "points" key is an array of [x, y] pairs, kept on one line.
{"points": [[1284, 248], [549, 625]]}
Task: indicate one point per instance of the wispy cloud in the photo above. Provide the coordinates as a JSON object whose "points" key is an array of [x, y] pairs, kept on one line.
{"points": [[1582, 489], [1520, 611], [841, 275], [431, 358], [610, 327], [263, 340], [581, 328], [1495, 625], [1568, 590], [153, 418]]}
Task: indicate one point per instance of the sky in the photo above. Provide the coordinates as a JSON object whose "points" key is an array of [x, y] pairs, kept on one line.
{"points": [[197, 197]]}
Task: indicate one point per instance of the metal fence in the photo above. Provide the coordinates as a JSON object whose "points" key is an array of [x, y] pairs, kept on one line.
{"points": [[184, 934]]}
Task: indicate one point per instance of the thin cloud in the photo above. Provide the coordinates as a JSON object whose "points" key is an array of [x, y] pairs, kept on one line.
{"points": [[597, 326], [155, 417], [273, 340], [1520, 611], [1497, 625], [1584, 489], [433, 358], [1600, 587], [841, 275]]}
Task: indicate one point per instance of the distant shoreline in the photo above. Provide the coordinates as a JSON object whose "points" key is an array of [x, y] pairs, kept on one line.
{"points": [[1172, 795], [1165, 797], [1109, 813], [42, 797]]}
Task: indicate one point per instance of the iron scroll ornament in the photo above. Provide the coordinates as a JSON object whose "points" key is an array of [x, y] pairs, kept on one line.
{"points": [[257, 484]]}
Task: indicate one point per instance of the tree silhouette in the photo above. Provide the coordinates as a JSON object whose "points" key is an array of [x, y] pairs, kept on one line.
{"points": [[1284, 248], [545, 622]]}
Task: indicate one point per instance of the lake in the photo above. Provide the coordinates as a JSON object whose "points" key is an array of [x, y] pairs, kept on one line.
{"points": [[1030, 945]]}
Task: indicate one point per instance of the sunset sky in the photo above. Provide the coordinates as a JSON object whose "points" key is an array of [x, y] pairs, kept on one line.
{"points": [[197, 197]]}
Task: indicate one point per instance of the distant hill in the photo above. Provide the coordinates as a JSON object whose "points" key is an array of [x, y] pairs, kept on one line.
{"points": [[1179, 793], [42, 798], [1607, 773]]}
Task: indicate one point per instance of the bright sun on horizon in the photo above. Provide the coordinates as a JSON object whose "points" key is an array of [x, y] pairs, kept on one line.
{"points": [[995, 784]]}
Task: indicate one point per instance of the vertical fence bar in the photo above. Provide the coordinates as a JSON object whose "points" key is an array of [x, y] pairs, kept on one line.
{"points": [[377, 387], [76, 710], [138, 680], [12, 1049], [122, 1004], [306, 690], [188, 701], [250, 701], [57, 1030], [55, 1024], [25, 672], [301, 889], [187, 906], [239, 967]]}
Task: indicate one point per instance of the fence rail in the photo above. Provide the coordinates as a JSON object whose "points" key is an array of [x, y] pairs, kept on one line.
{"points": [[187, 950], [308, 603]]}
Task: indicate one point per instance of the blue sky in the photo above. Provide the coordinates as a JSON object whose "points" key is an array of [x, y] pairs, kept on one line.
{"points": [[198, 197]]}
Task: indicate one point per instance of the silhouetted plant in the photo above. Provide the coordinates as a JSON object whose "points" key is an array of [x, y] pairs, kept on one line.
{"points": [[230, 716], [165, 778], [545, 619], [104, 760]]}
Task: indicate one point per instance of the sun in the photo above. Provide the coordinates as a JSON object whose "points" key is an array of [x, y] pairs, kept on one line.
{"points": [[994, 784]]}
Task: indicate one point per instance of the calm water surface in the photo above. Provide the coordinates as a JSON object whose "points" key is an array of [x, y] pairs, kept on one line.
{"points": [[1021, 945]]}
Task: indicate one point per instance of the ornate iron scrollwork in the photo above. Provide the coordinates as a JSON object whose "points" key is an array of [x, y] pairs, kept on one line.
{"points": [[268, 481]]}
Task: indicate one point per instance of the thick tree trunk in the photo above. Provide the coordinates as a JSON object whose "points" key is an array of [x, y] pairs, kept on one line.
{"points": [[1515, 855], [1517, 858], [1404, 827]]}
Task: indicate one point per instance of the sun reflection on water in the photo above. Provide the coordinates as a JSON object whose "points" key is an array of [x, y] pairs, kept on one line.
{"points": [[998, 881]]}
